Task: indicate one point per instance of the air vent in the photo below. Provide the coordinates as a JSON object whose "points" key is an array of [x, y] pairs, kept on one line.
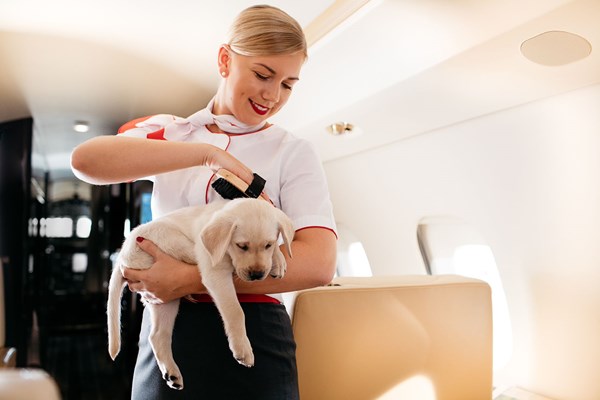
{"points": [[556, 48]]}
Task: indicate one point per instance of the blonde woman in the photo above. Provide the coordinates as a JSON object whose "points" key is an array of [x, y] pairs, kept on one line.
{"points": [[259, 67]]}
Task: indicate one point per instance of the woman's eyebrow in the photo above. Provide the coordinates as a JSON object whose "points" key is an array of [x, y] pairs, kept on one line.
{"points": [[271, 70]]}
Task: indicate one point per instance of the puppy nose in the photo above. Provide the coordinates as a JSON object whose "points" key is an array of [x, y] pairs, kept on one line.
{"points": [[255, 275]]}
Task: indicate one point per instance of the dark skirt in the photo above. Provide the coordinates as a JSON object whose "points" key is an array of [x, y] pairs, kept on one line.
{"points": [[209, 371]]}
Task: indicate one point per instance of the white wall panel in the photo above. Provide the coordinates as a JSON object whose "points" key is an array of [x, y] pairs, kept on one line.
{"points": [[529, 179]]}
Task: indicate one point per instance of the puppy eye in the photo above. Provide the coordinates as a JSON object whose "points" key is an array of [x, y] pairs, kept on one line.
{"points": [[268, 246], [243, 247]]}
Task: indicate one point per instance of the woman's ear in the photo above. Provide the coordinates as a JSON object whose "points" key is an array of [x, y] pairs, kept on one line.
{"points": [[224, 60]]}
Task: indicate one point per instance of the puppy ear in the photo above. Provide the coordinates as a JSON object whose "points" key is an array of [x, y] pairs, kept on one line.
{"points": [[286, 229], [216, 237]]}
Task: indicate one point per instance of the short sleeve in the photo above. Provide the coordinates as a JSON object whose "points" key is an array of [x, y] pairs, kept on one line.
{"points": [[151, 127], [304, 194]]}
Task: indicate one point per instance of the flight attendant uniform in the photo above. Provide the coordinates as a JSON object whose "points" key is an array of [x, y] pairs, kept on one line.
{"points": [[296, 183]]}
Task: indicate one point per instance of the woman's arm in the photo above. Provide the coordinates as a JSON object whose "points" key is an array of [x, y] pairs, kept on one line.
{"points": [[313, 264], [115, 159]]}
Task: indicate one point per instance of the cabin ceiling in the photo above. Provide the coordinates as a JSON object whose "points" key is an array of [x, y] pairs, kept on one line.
{"points": [[394, 69]]}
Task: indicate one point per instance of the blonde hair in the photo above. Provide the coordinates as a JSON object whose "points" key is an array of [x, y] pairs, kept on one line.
{"points": [[264, 30]]}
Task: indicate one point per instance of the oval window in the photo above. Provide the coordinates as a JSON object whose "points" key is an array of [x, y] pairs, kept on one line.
{"points": [[451, 246]]}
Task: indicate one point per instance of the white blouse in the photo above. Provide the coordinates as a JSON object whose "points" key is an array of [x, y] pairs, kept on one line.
{"points": [[295, 180]]}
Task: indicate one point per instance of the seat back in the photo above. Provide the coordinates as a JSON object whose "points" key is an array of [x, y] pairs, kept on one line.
{"points": [[405, 337]]}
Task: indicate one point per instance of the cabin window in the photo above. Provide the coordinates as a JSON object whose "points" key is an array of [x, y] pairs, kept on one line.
{"points": [[83, 228], [451, 246], [61, 227], [57, 227], [352, 259], [79, 263], [126, 227]]}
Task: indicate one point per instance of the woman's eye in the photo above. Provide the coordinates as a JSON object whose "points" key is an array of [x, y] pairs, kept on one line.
{"points": [[286, 86], [261, 76], [243, 247]]}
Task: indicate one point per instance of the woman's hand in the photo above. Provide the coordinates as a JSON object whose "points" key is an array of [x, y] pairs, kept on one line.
{"points": [[168, 279], [218, 158]]}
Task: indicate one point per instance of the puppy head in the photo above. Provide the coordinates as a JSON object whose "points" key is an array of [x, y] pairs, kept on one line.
{"points": [[247, 230]]}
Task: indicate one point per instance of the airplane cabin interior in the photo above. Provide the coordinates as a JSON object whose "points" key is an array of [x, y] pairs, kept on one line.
{"points": [[460, 141]]}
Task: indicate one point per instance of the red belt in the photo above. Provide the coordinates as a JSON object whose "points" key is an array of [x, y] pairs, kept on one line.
{"points": [[242, 298]]}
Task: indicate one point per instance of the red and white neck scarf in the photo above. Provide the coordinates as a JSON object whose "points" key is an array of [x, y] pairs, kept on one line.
{"points": [[171, 127]]}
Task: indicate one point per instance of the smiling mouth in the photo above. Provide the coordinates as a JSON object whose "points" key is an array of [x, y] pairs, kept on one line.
{"points": [[260, 110]]}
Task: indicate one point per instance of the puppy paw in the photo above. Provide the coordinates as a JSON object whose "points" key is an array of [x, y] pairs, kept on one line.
{"points": [[279, 265], [173, 381], [276, 274], [172, 376], [242, 352]]}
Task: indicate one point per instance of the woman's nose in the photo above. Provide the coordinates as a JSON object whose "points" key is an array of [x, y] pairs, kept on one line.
{"points": [[272, 92]]}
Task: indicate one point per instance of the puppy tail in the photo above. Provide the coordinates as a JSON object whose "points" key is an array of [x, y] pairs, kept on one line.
{"points": [[113, 311]]}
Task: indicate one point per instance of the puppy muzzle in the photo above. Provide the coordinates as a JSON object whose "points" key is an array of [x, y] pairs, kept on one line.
{"points": [[256, 275]]}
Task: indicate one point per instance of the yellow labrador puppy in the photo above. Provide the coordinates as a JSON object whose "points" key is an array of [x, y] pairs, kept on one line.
{"points": [[238, 236]]}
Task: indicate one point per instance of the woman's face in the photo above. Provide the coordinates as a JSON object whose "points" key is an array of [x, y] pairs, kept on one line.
{"points": [[255, 88]]}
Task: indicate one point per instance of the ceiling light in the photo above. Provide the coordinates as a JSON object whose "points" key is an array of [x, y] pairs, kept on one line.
{"points": [[340, 128], [554, 48], [81, 126]]}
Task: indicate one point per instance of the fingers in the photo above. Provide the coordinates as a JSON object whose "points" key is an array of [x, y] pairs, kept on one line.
{"points": [[220, 158], [265, 196], [242, 172], [133, 279], [136, 278], [148, 246], [132, 275], [135, 287]]}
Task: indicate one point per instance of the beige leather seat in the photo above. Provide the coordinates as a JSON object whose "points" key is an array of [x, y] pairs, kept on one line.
{"points": [[406, 337], [27, 384]]}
